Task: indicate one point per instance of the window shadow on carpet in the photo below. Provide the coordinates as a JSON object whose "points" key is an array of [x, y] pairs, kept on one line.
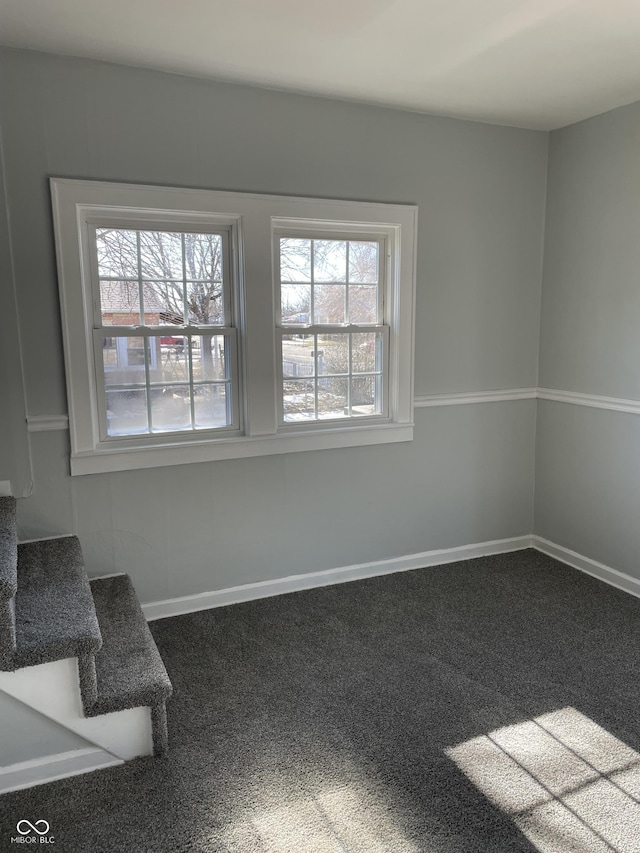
{"points": [[566, 782]]}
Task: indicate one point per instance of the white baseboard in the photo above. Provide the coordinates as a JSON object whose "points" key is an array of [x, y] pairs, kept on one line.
{"points": [[295, 583], [27, 774], [45, 538], [613, 577]]}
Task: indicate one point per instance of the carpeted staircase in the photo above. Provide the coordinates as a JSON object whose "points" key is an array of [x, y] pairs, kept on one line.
{"points": [[50, 611]]}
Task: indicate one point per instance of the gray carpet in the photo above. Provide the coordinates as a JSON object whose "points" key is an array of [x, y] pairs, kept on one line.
{"points": [[8, 580], [8, 544], [490, 705], [54, 612], [129, 670]]}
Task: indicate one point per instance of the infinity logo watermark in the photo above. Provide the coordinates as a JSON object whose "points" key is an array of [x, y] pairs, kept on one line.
{"points": [[33, 833], [30, 827]]}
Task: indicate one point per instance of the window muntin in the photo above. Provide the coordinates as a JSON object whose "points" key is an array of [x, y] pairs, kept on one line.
{"points": [[329, 281], [332, 337], [328, 376], [161, 276], [163, 338]]}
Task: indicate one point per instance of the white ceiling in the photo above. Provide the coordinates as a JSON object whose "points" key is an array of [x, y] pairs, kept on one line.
{"points": [[531, 63]]}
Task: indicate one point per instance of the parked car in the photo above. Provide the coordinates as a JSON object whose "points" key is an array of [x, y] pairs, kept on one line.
{"points": [[171, 341]]}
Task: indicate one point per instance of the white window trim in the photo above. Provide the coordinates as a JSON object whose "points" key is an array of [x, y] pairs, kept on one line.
{"points": [[254, 220]]}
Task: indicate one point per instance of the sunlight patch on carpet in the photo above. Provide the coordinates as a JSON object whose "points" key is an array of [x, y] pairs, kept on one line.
{"points": [[568, 784], [337, 819]]}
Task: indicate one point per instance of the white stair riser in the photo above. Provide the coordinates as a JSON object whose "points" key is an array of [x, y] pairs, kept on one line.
{"points": [[53, 690]]}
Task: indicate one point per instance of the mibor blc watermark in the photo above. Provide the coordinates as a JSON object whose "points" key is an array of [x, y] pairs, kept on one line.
{"points": [[33, 833]]}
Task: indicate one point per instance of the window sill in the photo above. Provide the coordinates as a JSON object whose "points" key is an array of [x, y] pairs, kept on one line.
{"points": [[108, 459]]}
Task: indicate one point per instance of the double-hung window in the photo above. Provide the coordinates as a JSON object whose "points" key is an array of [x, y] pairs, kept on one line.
{"points": [[332, 335], [165, 347], [202, 325]]}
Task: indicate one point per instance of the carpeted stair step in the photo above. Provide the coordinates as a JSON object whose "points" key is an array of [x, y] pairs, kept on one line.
{"points": [[8, 579], [129, 670], [54, 613]]}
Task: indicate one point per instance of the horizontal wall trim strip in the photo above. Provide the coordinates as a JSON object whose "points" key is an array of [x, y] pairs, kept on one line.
{"points": [[296, 583], [613, 577], [613, 404], [46, 423], [466, 397], [26, 774]]}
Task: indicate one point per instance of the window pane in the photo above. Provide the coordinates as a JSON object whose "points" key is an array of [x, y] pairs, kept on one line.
{"points": [[349, 375], [120, 303], [117, 251], [168, 358], [329, 260], [160, 254], [298, 356], [210, 406], [363, 303], [333, 397], [205, 303], [163, 303], [127, 411], [169, 375], [298, 399], [123, 361], [170, 408], [366, 352], [335, 354], [363, 262], [329, 303], [295, 259], [296, 304], [209, 357], [366, 395], [203, 256], [166, 258]]}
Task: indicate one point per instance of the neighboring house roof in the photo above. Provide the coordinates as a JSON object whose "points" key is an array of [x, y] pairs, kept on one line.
{"points": [[122, 297]]}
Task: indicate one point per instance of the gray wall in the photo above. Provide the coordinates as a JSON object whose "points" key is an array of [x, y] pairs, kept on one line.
{"points": [[587, 471], [15, 465], [468, 475]]}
